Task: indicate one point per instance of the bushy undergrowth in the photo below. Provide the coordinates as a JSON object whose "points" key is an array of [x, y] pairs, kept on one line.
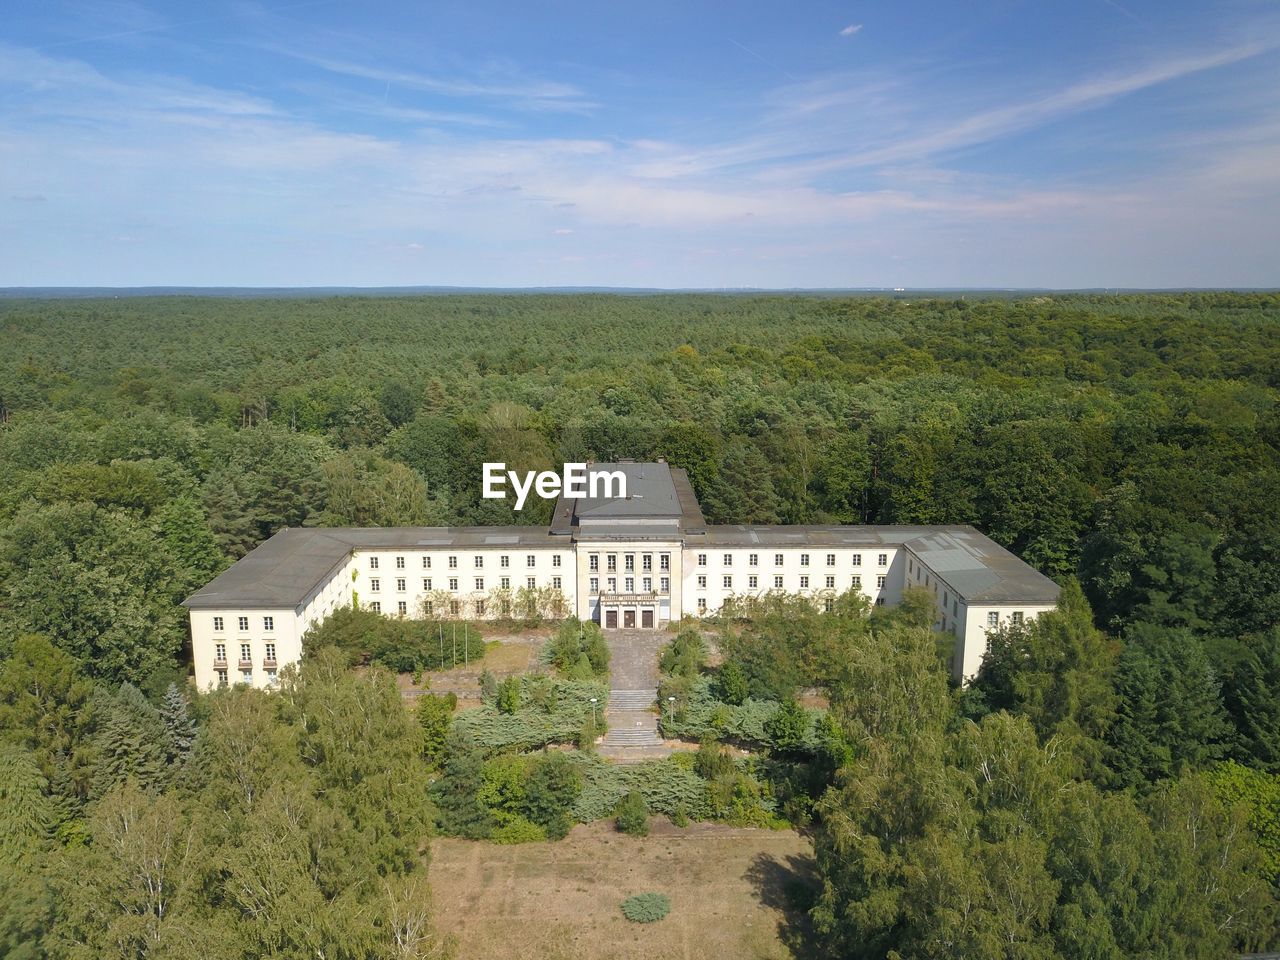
{"points": [[699, 714], [541, 711], [401, 645]]}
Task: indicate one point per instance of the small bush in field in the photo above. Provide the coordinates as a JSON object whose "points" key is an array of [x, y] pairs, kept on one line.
{"points": [[646, 907], [633, 815]]}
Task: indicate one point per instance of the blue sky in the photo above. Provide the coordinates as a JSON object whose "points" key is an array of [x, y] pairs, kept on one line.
{"points": [[671, 144]]}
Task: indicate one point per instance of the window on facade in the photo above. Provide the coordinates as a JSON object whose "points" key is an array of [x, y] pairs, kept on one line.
{"points": [[242, 623], [629, 563], [400, 584], [804, 559], [401, 607], [426, 583], [245, 653], [880, 582], [828, 605], [1016, 617], [555, 559], [479, 583], [373, 563], [993, 619], [246, 676], [222, 678], [479, 562], [753, 560], [728, 583], [611, 562], [375, 584], [428, 607], [455, 608], [376, 607], [593, 562], [453, 563], [217, 624], [271, 652], [530, 560], [777, 559], [399, 563], [480, 605], [426, 563], [804, 583], [728, 559], [702, 604], [831, 582], [664, 561], [646, 562], [702, 582], [831, 559], [594, 585], [857, 559], [883, 559], [220, 652], [664, 584], [504, 561], [702, 559], [505, 583], [879, 601], [857, 581], [271, 677], [453, 583], [531, 583], [753, 582], [613, 584], [630, 585], [777, 583], [555, 583], [647, 584]]}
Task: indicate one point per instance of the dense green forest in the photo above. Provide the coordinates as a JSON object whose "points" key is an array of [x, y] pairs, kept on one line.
{"points": [[1107, 788]]}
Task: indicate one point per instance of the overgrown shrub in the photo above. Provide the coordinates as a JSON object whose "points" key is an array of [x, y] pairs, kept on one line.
{"points": [[578, 650], [699, 714], [633, 815], [646, 907], [401, 645], [685, 655]]}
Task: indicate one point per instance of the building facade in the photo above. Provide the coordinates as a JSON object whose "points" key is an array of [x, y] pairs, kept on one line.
{"points": [[641, 562]]}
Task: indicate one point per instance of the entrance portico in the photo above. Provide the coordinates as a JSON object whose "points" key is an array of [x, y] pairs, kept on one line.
{"points": [[628, 611]]}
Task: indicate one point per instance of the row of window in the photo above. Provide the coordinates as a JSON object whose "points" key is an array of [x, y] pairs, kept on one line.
{"points": [[504, 561], [504, 583], [246, 654], [246, 676], [753, 582], [753, 560], [828, 605], [219, 624], [628, 562], [993, 618], [629, 585]]}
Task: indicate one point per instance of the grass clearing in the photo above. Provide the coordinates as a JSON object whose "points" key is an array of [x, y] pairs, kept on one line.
{"points": [[731, 893]]}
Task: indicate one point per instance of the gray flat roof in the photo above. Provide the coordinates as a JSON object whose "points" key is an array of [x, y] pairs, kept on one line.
{"points": [[650, 493]]}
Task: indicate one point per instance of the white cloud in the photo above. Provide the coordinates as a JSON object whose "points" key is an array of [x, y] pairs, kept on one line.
{"points": [[850, 30]]}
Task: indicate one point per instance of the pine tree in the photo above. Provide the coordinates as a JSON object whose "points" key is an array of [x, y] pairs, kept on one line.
{"points": [[180, 730], [130, 742], [459, 810], [1252, 700]]}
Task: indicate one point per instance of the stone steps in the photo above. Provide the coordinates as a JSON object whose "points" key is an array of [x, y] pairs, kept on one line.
{"points": [[632, 699]]}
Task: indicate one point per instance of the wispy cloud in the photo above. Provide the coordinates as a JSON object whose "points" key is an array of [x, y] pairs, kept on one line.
{"points": [[850, 30], [525, 93]]}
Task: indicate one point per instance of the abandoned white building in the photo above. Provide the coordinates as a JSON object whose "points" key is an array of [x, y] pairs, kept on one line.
{"points": [[640, 562]]}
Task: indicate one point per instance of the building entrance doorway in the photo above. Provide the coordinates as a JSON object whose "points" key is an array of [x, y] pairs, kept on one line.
{"points": [[611, 619], [628, 618], [646, 619]]}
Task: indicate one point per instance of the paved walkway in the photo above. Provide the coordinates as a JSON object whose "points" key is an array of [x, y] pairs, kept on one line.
{"points": [[633, 690]]}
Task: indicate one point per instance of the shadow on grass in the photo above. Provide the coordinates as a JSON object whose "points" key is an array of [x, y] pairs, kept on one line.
{"points": [[789, 885]]}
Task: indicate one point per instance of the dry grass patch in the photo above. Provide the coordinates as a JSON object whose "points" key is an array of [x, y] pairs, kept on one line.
{"points": [[731, 893]]}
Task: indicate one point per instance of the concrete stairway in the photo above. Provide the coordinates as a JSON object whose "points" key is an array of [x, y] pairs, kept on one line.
{"points": [[632, 723]]}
